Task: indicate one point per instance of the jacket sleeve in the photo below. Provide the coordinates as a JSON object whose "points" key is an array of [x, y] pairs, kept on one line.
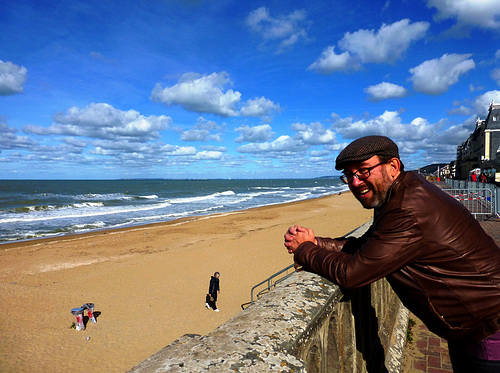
{"points": [[331, 244], [345, 244], [394, 241]]}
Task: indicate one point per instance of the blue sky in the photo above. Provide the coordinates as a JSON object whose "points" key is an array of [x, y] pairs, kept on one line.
{"points": [[232, 89]]}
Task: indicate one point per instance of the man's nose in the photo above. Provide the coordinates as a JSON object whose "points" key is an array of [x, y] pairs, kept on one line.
{"points": [[355, 181]]}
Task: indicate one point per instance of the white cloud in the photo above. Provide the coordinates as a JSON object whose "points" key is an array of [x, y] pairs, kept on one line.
{"points": [[202, 94], [100, 151], [103, 121], [203, 155], [449, 138], [202, 131], [319, 153], [460, 110], [151, 152], [495, 75], [336, 147], [286, 30], [314, 134], [12, 78], [259, 107], [99, 56], [479, 13], [118, 146], [206, 124], [195, 135], [385, 45], [8, 139], [283, 144], [434, 77], [74, 142], [482, 103], [388, 124], [384, 91], [417, 137], [473, 88], [55, 153], [179, 150], [330, 62], [207, 94], [254, 134]]}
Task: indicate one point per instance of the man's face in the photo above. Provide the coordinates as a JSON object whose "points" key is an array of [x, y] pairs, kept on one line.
{"points": [[372, 191]]}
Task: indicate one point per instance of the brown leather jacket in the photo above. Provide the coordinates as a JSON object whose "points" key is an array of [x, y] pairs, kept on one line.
{"points": [[435, 255]]}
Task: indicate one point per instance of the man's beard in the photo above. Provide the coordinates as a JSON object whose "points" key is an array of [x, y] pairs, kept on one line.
{"points": [[379, 193]]}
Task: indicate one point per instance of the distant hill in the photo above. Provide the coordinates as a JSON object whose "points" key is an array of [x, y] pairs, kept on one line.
{"points": [[426, 170], [430, 169]]}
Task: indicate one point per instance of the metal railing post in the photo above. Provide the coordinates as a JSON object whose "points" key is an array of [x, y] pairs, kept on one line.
{"points": [[269, 281]]}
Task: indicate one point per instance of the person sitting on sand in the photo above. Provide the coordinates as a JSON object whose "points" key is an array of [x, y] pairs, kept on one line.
{"points": [[213, 290]]}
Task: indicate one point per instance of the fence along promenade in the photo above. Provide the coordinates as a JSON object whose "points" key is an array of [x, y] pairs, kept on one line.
{"points": [[481, 199]]}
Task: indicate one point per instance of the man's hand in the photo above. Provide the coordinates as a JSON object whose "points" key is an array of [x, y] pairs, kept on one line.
{"points": [[297, 235]]}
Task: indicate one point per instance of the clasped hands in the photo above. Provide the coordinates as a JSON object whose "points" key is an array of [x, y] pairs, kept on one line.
{"points": [[297, 235]]}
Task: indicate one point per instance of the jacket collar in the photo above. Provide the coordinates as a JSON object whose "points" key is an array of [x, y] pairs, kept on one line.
{"points": [[391, 190]]}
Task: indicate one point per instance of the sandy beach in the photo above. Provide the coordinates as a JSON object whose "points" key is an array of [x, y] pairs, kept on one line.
{"points": [[148, 283]]}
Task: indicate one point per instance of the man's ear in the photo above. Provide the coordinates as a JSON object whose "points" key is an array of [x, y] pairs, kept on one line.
{"points": [[394, 167]]}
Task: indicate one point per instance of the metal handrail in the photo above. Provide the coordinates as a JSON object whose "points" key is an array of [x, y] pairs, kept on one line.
{"points": [[270, 284]]}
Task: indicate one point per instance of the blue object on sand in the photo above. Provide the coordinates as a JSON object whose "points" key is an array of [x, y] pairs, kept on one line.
{"points": [[77, 310]]}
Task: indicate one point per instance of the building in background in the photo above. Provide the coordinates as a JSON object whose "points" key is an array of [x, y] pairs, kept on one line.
{"points": [[481, 150]]}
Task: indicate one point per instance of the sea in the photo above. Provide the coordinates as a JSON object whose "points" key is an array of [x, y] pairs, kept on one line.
{"points": [[32, 209]]}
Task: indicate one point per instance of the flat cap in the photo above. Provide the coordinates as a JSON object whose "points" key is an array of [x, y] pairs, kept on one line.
{"points": [[364, 148]]}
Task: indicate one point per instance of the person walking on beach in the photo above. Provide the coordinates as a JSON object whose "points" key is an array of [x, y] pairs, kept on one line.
{"points": [[213, 290], [436, 256]]}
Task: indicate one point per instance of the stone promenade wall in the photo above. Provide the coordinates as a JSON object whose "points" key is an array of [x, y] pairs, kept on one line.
{"points": [[306, 324]]}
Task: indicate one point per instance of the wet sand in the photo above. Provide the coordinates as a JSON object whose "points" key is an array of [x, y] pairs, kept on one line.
{"points": [[148, 283]]}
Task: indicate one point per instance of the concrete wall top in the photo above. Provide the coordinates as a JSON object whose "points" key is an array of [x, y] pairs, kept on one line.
{"points": [[263, 337], [260, 338]]}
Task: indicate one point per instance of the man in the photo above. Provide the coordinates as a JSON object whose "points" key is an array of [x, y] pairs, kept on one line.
{"points": [[435, 255], [213, 291]]}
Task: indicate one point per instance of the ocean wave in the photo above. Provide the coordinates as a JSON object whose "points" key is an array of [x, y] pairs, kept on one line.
{"points": [[202, 198], [91, 210], [83, 205], [301, 196], [71, 229], [89, 226], [42, 208], [106, 196], [153, 196], [258, 194], [272, 188], [25, 215], [128, 198], [177, 215]]}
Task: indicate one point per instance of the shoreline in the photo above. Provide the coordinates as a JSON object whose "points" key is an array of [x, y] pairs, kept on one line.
{"points": [[147, 282], [110, 231], [182, 220], [55, 208]]}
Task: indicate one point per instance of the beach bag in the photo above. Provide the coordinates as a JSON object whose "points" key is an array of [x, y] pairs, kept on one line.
{"points": [[209, 298]]}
